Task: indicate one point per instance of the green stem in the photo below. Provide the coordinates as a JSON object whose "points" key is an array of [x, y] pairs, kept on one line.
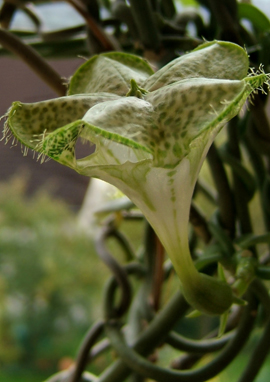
{"points": [[261, 292], [139, 364], [258, 357], [104, 40], [145, 21], [259, 170], [110, 310], [154, 265], [225, 198], [199, 223], [118, 271], [168, 8], [225, 13], [7, 12], [197, 346], [260, 118], [241, 199], [125, 244], [151, 337], [89, 340]]}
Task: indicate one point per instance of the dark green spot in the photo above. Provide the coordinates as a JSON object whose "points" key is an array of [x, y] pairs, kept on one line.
{"points": [[35, 111], [177, 150], [171, 173]]}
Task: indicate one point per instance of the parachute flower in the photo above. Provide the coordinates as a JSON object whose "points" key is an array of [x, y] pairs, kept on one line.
{"points": [[150, 133]]}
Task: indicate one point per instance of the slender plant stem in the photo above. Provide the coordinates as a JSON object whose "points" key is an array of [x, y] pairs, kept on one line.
{"points": [[154, 258], [117, 270], [241, 199], [198, 346], [258, 356], [152, 336], [109, 308], [125, 244], [88, 342], [97, 31], [30, 12], [33, 60], [6, 14], [98, 349], [259, 117], [187, 361], [225, 13], [168, 8], [139, 364], [146, 23], [261, 292], [158, 274], [199, 223], [225, 197], [260, 173]]}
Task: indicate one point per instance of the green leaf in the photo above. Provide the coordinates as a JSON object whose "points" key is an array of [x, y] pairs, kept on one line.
{"points": [[189, 3], [248, 240], [259, 20], [242, 173], [263, 272], [222, 323]]}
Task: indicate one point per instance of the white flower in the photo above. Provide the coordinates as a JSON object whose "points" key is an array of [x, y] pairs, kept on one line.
{"points": [[151, 133]]}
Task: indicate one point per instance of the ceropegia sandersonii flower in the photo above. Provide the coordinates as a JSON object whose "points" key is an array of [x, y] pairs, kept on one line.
{"points": [[151, 133]]}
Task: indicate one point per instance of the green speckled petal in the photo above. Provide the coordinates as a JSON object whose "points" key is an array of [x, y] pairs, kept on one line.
{"points": [[28, 122], [187, 108], [217, 59], [111, 149], [109, 72], [127, 118]]}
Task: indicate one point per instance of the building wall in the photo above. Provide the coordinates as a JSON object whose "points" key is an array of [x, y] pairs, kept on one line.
{"points": [[19, 83]]}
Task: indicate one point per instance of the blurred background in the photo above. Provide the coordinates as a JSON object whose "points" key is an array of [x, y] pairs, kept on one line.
{"points": [[50, 277]]}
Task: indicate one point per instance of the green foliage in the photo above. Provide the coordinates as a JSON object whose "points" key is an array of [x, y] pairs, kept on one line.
{"points": [[49, 278], [188, 3]]}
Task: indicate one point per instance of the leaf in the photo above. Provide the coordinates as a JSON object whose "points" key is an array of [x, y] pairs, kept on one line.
{"points": [[188, 3], [263, 272], [259, 20], [242, 173], [223, 323], [248, 240]]}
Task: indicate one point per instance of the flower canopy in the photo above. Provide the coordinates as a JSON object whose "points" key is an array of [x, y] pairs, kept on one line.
{"points": [[150, 133]]}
